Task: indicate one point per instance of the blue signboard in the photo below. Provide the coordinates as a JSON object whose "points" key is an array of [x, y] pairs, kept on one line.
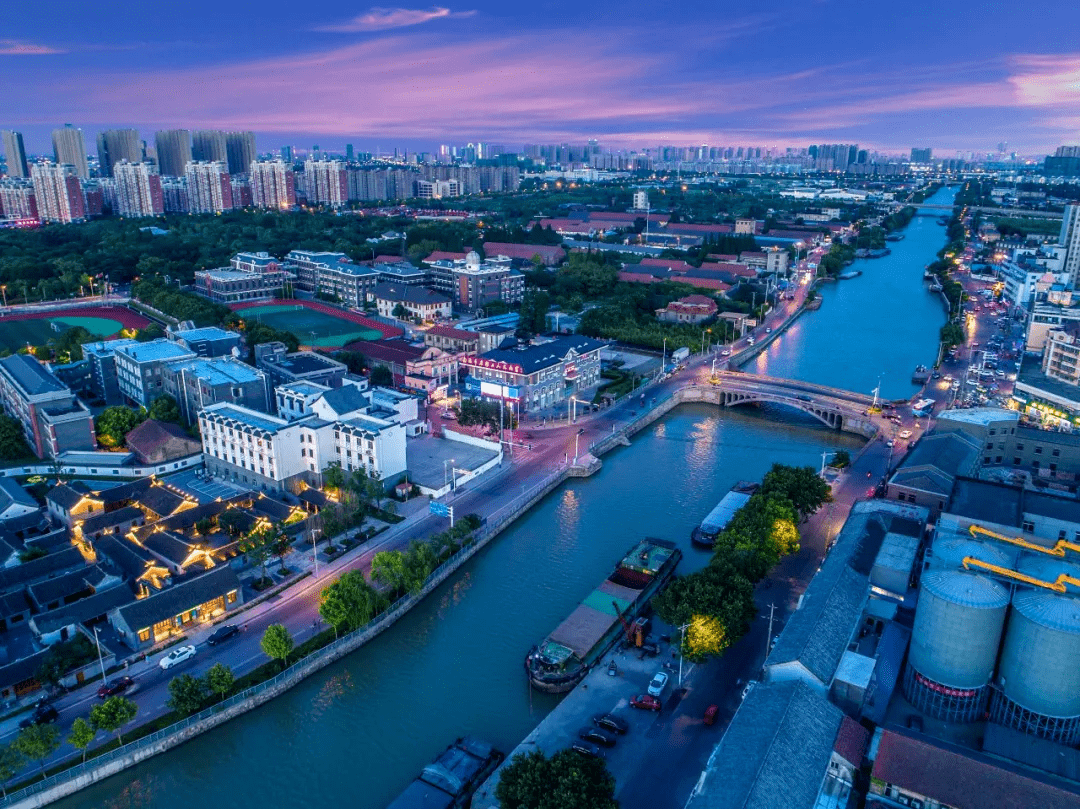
{"points": [[439, 509]]}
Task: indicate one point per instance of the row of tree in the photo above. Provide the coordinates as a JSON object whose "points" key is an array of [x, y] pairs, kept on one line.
{"points": [[717, 603]]}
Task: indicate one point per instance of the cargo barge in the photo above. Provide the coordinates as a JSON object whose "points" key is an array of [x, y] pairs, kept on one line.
{"points": [[450, 780], [565, 656], [704, 536]]}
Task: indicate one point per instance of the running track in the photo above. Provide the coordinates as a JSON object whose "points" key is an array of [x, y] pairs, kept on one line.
{"points": [[332, 311], [127, 318]]}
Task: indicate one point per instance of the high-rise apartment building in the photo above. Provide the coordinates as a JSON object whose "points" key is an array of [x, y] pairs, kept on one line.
{"points": [[326, 182], [175, 194], [15, 152], [114, 145], [209, 187], [209, 145], [240, 151], [58, 192], [70, 148], [138, 190], [17, 200], [173, 151], [273, 185], [1069, 238], [920, 155]]}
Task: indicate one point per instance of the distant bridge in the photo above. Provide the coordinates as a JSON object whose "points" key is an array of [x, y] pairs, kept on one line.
{"points": [[1013, 212], [837, 408]]}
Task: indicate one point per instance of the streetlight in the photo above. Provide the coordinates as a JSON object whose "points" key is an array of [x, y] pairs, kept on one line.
{"points": [[663, 358], [576, 437], [682, 637], [444, 475], [101, 662]]}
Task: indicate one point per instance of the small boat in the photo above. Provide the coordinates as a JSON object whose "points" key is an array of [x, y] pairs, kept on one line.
{"points": [[450, 780], [846, 276], [895, 237], [879, 252], [936, 287], [704, 536]]}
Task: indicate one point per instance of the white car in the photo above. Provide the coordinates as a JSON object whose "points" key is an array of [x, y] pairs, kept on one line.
{"points": [[905, 434], [658, 684], [176, 656], [726, 352], [749, 686]]}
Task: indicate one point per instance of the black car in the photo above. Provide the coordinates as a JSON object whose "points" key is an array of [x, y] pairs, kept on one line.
{"points": [[610, 722], [223, 634], [604, 738], [587, 749], [43, 715]]}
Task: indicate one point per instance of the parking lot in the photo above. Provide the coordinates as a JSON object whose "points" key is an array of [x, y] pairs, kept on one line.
{"points": [[206, 491]]}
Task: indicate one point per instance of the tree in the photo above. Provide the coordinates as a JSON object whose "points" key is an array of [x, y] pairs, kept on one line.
{"points": [[277, 643], [37, 742], [381, 377], [334, 477], [114, 423], [204, 526], [567, 780], [150, 332], [81, 736], [187, 694], [350, 602], [164, 408], [801, 486], [11, 761], [259, 545], [113, 714], [232, 522], [12, 440], [841, 459], [400, 311], [388, 569], [220, 679], [533, 313]]}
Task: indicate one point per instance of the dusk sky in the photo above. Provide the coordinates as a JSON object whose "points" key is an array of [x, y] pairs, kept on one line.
{"points": [[954, 75]]}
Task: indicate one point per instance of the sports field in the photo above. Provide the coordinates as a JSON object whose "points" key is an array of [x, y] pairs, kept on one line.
{"points": [[315, 323], [37, 328], [311, 327]]}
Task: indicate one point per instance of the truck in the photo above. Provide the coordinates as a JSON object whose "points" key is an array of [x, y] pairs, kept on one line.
{"points": [[680, 354]]}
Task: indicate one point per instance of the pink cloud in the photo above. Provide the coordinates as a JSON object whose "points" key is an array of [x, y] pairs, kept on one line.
{"points": [[380, 19], [11, 47]]}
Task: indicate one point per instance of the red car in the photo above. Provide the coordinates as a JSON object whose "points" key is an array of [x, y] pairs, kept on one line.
{"points": [[646, 702], [114, 687], [711, 713]]}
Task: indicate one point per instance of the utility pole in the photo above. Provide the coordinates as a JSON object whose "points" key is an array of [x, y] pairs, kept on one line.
{"points": [[768, 639]]}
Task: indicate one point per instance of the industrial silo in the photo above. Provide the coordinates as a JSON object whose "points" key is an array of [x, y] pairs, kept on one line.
{"points": [[1038, 684], [954, 644], [1048, 568], [949, 554]]}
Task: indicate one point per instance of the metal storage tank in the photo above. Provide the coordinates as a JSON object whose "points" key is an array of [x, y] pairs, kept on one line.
{"points": [[1048, 568], [954, 644], [950, 553], [1039, 676]]}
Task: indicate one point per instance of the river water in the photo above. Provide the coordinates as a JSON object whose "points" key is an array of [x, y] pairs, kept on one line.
{"points": [[356, 733], [877, 326]]}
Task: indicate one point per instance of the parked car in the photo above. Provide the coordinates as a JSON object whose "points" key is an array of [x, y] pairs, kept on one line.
{"points": [[587, 749], [711, 713], [114, 687], [646, 702], [658, 684], [905, 434], [223, 634], [176, 657], [44, 714], [750, 685], [598, 736], [610, 722]]}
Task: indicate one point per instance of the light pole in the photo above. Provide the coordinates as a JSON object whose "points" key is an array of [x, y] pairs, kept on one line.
{"points": [[315, 554], [824, 456], [682, 638], [101, 662], [663, 358], [444, 475], [576, 437], [713, 374]]}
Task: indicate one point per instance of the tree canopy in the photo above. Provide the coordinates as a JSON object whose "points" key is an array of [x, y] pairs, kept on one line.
{"points": [[567, 780], [114, 423]]}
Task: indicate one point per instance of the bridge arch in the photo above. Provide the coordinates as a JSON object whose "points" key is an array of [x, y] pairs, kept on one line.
{"points": [[829, 416]]}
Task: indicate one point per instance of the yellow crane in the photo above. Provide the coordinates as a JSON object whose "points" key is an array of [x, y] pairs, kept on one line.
{"points": [[1057, 549], [1058, 585]]}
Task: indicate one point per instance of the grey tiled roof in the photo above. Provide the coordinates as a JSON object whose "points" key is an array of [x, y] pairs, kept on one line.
{"points": [[111, 519], [775, 752], [85, 609], [182, 596], [41, 568], [346, 399]]}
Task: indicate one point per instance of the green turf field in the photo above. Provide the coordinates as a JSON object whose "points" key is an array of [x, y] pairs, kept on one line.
{"points": [[312, 328], [14, 334]]}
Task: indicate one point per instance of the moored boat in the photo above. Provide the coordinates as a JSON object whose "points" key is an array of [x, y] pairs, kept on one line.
{"points": [[450, 780], [704, 536], [565, 656]]}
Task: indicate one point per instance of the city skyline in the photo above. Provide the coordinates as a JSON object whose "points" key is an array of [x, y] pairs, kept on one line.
{"points": [[788, 75]]}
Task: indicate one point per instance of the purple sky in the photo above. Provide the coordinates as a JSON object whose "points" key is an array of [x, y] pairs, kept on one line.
{"points": [[953, 75]]}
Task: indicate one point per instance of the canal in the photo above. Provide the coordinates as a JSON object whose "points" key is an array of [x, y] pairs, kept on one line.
{"points": [[357, 732], [877, 326]]}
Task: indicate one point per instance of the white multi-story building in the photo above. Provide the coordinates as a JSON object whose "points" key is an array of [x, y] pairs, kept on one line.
{"points": [[17, 200], [326, 182], [58, 192], [273, 185], [1069, 238], [209, 187], [641, 200], [271, 453], [138, 189], [334, 274]]}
